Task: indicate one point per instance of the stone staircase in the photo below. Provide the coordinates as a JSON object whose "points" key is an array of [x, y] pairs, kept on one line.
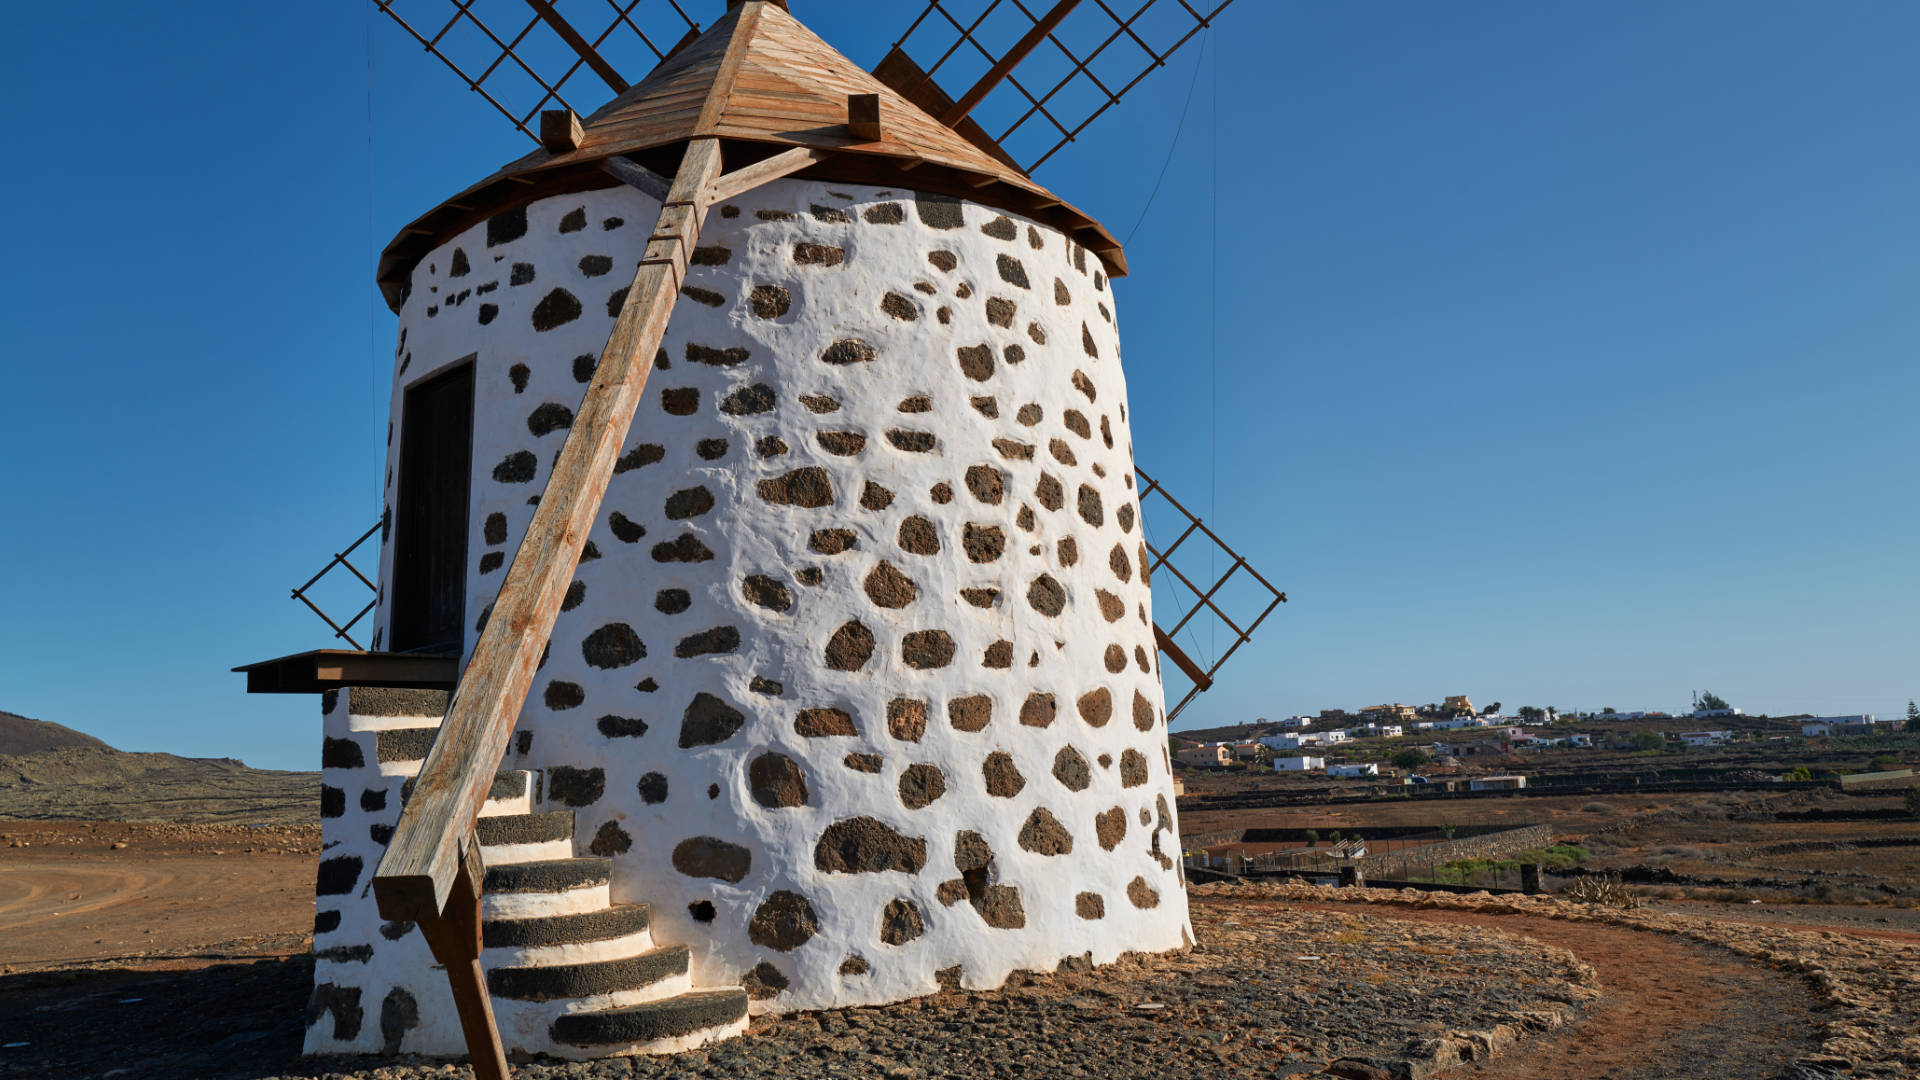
{"points": [[571, 973]]}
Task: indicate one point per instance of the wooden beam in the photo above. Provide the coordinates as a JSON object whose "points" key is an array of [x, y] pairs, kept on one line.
{"points": [[560, 131], [1007, 63], [416, 875], [762, 172], [863, 116], [729, 68], [1181, 660], [579, 45], [455, 939], [633, 174]]}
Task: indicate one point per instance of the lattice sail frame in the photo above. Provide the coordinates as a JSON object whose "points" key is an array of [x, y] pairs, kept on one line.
{"points": [[1108, 40], [301, 593], [459, 34], [1202, 600]]}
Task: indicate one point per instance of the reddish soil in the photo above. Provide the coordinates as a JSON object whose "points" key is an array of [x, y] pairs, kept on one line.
{"points": [[1666, 1002], [70, 897]]}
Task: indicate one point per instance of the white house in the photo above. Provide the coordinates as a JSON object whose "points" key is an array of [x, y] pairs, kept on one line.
{"points": [[1706, 738], [1497, 783], [1581, 740], [1368, 769], [1857, 724], [1705, 713], [1298, 764]]}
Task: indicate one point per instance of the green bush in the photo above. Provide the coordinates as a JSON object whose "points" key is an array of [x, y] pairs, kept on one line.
{"points": [[1411, 758]]}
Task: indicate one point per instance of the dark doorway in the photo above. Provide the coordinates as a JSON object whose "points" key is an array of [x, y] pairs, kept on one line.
{"points": [[430, 527]]}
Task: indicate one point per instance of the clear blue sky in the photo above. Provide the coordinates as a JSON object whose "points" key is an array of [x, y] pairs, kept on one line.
{"points": [[1565, 353]]}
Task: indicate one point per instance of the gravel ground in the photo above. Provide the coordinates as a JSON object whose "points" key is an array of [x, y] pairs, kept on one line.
{"points": [[1866, 988], [1269, 992]]}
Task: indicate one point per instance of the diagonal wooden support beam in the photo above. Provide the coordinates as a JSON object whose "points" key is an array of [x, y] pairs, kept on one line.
{"points": [[638, 176], [417, 872], [752, 176]]}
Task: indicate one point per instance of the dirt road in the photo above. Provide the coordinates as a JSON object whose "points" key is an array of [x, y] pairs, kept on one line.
{"points": [[1669, 1007], [110, 893]]}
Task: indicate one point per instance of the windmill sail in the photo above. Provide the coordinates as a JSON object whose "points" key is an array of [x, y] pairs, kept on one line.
{"points": [[522, 66], [1075, 60]]}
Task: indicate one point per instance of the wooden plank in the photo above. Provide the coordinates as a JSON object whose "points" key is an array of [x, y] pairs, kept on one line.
{"points": [[416, 875], [1004, 66], [579, 45], [752, 176]]}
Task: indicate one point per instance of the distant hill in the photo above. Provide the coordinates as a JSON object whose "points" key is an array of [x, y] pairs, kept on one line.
{"points": [[52, 772], [21, 735], [1230, 733]]}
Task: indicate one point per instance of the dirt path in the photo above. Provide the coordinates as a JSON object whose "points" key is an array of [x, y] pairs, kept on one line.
{"points": [[1670, 1007], [73, 898]]}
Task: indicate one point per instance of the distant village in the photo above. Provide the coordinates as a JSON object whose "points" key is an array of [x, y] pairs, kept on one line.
{"points": [[1460, 732]]}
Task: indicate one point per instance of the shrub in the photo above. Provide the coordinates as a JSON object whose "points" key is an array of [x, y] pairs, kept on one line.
{"points": [[1606, 890]]}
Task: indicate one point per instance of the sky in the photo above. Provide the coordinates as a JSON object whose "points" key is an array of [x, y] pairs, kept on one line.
{"points": [[1551, 354]]}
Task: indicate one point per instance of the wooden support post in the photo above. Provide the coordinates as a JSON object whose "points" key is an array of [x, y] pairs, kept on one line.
{"points": [[863, 116], [454, 937], [416, 875], [560, 130]]}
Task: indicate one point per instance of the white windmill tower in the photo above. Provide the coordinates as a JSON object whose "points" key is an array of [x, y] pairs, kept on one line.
{"points": [[763, 617]]}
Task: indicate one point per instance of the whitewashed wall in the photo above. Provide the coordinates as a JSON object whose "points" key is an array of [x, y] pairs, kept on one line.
{"points": [[1004, 331]]}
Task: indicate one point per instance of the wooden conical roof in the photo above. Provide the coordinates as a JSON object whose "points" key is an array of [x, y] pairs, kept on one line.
{"points": [[762, 83]]}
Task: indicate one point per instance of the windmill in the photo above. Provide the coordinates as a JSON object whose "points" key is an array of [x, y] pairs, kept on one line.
{"points": [[761, 521]]}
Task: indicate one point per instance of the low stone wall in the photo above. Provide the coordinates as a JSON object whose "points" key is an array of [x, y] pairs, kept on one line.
{"points": [[1493, 845]]}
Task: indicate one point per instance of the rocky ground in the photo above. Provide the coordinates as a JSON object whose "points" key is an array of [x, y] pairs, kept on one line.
{"points": [[101, 783], [1864, 987], [161, 951], [1269, 992]]}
